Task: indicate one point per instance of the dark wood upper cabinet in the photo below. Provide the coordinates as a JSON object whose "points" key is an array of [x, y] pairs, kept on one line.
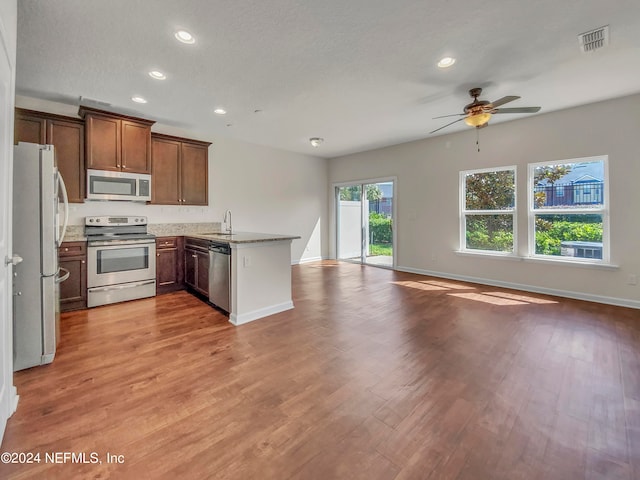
{"points": [[103, 142], [66, 134], [30, 128], [165, 171], [179, 171], [193, 175], [108, 141], [117, 142]]}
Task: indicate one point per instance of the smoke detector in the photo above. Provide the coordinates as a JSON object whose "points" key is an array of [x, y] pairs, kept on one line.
{"points": [[594, 39]]}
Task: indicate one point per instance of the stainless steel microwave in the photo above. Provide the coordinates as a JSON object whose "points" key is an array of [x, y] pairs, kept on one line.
{"points": [[106, 185]]}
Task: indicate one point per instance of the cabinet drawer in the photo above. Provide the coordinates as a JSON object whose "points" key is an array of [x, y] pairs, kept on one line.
{"points": [[72, 249], [166, 242], [196, 243]]}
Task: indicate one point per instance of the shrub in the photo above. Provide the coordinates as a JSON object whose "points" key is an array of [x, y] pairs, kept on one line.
{"points": [[380, 228]]}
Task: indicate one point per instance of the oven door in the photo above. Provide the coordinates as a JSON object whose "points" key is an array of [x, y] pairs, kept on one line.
{"points": [[117, 263]]}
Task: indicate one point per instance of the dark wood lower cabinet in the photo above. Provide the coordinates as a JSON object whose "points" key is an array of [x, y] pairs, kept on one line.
{"points": [[169, 264], [72, 256], [196, 265]]}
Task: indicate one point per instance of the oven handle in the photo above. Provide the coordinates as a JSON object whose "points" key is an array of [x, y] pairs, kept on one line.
{"points": [[119, 243], [122, 287]]}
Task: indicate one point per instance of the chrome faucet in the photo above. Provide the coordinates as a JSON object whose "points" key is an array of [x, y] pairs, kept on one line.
{"points": [[228, 228]]}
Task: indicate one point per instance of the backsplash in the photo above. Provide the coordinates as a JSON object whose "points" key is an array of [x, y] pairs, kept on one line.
{"points": [[75, 233], [171, 229], [155, 213]]}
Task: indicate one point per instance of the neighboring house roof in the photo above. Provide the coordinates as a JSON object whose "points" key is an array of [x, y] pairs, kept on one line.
{"points": [[582, 173]]}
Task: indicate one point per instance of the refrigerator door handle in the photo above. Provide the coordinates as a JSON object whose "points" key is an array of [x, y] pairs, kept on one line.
{"points": [[13, 259], [65, 202], [61, 278]]}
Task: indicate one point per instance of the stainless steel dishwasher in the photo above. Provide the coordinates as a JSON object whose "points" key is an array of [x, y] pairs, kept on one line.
{"points": [[220, 275]]}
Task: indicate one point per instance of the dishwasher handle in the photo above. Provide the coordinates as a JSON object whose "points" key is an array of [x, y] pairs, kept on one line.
{"points": [[222, 249]]}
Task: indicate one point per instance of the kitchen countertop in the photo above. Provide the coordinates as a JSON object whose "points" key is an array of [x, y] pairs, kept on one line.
{"points": [[241, 237], [206, 231]]}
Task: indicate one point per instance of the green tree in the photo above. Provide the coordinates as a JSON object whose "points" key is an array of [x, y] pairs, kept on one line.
{"points": [[550, 173], [490, 191], [352, 193]]}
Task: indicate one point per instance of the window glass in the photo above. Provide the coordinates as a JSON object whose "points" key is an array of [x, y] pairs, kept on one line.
{"points": [[487, 210], [568, 217]]}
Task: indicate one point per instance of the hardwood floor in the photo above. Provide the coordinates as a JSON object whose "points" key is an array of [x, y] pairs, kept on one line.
{"points": [[374, 375]]}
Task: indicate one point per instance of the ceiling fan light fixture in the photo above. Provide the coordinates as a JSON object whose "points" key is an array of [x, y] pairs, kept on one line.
{"points": [[477, 120], [446, 62]]}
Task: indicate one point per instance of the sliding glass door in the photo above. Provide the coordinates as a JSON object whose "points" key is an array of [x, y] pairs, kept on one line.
{"points": [[364, 223]]}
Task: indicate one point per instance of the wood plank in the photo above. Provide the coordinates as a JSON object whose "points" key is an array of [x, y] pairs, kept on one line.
{"points": [[368, 377]]}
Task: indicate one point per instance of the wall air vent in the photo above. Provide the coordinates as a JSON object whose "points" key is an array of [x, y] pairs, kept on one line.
{"points": [[90, 102], [594, 40]]}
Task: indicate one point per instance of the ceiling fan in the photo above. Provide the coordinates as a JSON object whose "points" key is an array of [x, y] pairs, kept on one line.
{"points": [[478, 113]]}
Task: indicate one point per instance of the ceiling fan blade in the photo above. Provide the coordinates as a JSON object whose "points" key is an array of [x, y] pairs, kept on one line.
{"points": [[502, 101], [452, 115], [517, 110], [444, 126]]}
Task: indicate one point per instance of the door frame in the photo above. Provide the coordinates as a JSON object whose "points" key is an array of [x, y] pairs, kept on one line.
{"points": [[334, 215], [8, 394]]}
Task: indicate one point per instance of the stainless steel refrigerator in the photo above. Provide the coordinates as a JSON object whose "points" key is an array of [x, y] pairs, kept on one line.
{"points": [[38, 229]]}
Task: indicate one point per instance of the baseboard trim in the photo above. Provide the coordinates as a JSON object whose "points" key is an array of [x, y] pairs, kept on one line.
{"points": [[307, 260], [260, 313], [620, 302]]}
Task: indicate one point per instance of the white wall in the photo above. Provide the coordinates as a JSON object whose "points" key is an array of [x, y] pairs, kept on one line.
{"points": [[427, 195], [267, 190]]}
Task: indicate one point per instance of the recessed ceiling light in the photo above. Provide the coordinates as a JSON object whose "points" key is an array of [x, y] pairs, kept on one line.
{"points": [[316, 141], [157, 75], [446, 62], [220, 111], [185, 37], [138, 99]]}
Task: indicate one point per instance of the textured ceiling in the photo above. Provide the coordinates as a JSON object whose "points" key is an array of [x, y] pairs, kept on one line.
{"points": [[360, 73]]}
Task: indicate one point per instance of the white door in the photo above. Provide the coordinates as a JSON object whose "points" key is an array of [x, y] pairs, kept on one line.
{"points": [[7, 390]]}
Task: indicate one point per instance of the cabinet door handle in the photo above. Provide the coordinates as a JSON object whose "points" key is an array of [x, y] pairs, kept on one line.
{"points": [[194, 256], [117, 165], [157, 254], [83, 261]]}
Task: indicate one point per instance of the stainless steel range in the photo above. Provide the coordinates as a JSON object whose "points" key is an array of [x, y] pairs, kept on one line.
{"points": [[121, 260]]}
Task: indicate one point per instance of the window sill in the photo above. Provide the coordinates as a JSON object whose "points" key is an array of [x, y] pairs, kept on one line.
{"points": [[573, 263], [488, 254], [537, 259]]}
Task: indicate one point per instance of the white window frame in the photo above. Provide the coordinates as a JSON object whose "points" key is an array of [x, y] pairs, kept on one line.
{"points": [[463, 212], [603, 211]]}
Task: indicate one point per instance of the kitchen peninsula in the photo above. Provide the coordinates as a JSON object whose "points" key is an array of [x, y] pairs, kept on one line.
{"points": [[259, 272]]}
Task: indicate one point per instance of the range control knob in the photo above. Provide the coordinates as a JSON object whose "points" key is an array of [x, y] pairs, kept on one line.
{"points": [[91, 220]]}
